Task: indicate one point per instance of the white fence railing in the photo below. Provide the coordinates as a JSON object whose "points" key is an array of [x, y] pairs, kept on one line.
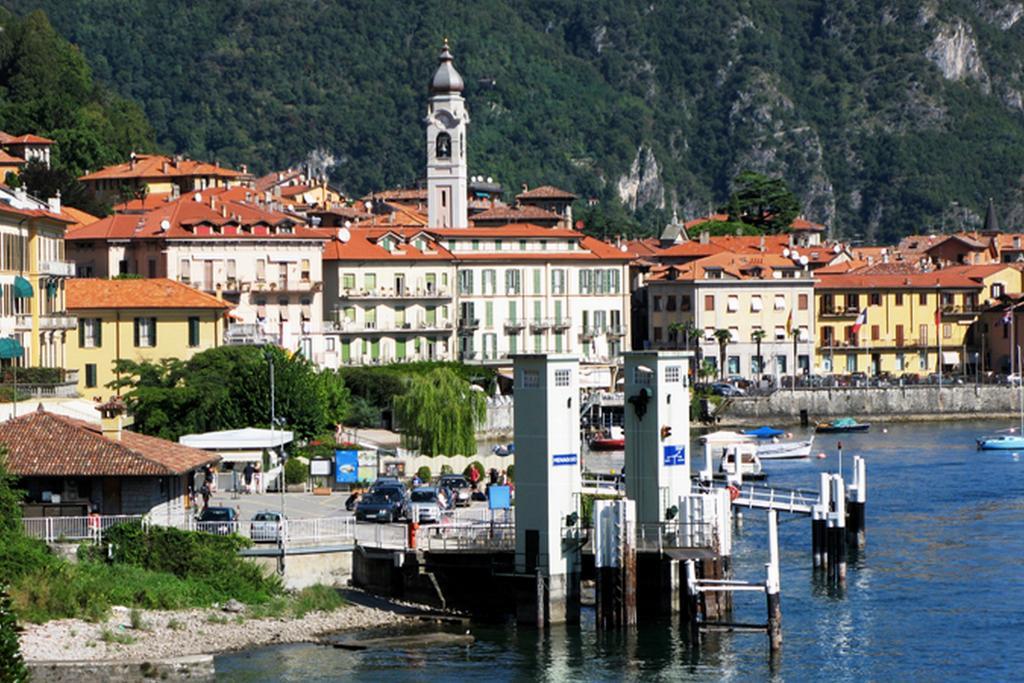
{"points": [[671, 535], [55, 529], [448, 537], [387, 536]]}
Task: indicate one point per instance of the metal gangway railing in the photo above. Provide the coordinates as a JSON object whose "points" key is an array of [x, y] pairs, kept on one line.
{"points": [[665, 536], [761, 497], [468, 537]]}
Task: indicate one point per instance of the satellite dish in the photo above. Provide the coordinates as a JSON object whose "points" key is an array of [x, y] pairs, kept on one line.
{"points": [[344, 235], [794, 254], [198, 197], [804, 260], [836, 249], [785, 252], [623, 248], [369, 205], [490, 179], [165, 225], [348, 224]]}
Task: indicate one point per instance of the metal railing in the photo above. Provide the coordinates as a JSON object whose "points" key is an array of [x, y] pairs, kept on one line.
{"points": [[670, 535], [450, 537], [57, 529], [384, 536], [794, 501]]}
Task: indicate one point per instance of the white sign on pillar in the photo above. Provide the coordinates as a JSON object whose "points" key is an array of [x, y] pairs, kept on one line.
{"points": [[548, 461], [657, 426]]}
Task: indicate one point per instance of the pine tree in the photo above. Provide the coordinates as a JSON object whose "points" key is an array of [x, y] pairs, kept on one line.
{"points": [[12, 665]]}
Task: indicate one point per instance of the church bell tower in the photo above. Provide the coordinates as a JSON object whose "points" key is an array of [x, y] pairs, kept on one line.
{"points": [[447, 118]]}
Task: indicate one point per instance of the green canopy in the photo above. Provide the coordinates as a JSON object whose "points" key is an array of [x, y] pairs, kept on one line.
{"points": [[22, 288], [11, 348]]}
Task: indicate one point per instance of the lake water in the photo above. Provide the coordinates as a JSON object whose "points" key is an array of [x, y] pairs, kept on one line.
{"points": [[938, 593]]}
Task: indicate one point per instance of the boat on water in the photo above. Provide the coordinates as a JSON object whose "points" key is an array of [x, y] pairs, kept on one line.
{"points": [[785, 450], [504, 449], [843, 424], [743, 453], [611, 439], [1003, 442]]}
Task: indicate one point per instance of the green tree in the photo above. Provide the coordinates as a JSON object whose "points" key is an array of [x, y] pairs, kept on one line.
{"points": [[763, 202], [686, 331], [12, 665], [439, 413], [10, 498], [724, 337], [758, 336]]}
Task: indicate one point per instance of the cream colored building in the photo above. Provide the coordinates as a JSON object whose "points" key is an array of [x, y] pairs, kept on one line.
{"points": [[744, 294]]}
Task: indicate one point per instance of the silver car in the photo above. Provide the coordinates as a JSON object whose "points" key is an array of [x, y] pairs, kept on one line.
{"points": [[425, 506], [265, 527]]}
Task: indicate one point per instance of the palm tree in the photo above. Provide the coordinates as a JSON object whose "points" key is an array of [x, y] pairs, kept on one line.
{"points": [[758, 337], [724, 337], [686, 330]]}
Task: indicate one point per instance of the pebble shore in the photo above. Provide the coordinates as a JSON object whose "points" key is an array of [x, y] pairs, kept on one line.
{"points": [[186, 632]]}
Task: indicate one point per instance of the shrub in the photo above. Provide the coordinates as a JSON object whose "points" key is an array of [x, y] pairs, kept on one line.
{"points": [[12, 666], [446, 469], [362, 413], [318, 598], [295, 471], [511, 472], [475, 465], [423, 473]]}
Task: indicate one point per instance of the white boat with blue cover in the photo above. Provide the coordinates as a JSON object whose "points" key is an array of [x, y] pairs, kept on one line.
{"points": [[1004, 442]]}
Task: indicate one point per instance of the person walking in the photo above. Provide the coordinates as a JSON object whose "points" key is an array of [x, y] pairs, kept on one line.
{"points": [[247, 477], [474, 477]]}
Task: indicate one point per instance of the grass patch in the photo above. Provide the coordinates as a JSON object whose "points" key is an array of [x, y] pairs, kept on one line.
{"points": [[215, 618], [316, 598], [137, 622], [175, 625], [108, 636], [271, 609]]}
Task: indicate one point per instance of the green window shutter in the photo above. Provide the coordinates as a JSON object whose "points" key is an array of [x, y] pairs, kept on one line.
{"points": [[90, 375], [512, 310], [81, 333], [346, 351], [536, 281], [558, 342], [558, 310], [152, 337], [375, 349], [135, 329], [512, 339], [489, 314], [431, 315], [99, 332], [400, 349], [536, 310], [537, 348], [193, 331]]}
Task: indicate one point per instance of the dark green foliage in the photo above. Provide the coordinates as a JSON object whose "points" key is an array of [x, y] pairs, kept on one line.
{"points": [[362, 413], [12, 664], [46, 88], [511, 472], [228, 388], [762, 202], [475, 465], [10, 499], [295, 472], [439, 413], [34, 375], [424, 474]]}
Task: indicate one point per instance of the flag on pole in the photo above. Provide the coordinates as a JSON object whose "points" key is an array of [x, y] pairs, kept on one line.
{"points": [[789, 323], [938, 316], [861, 320]]}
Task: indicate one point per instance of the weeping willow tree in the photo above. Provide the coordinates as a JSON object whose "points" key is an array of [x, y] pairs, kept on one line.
{"points": [[439, 413]]}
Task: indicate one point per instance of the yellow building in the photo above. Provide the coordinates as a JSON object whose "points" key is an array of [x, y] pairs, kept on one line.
{"points": [[152, 174], [904, 318], [138, 320]]}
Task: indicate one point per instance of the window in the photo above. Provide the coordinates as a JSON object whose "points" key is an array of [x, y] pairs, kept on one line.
{"points": [[657, 334], [488, 281], [558, 281], [261, 269], [585, 281], [851, 362], [305, 270], [733, 303], [780, 333], [780, 302], [802, 302], [899, 335], [922, 335], [185, 270], [874, 299], [537, 282], [562, 378], [348, 281], [466, 282], [733, 367], [709, 302], [901, 362], [997, 290], [370, 282], [922, 299], [90, 332], [90, 375], [780, 364], [657, 303], [922, 360], [670, 302], [947, 331], [145, 332], [513, 281], [899, 298], [684, 302], [193, 331], [875, 333], [443, 146], [232, 269], [756, 305]]}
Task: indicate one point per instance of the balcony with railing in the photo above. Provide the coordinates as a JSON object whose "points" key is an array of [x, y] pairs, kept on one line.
{"points": [[351, 327], [514, 326], [561, 324], [40, 382], [616, 331], [283, 286], [968, 309], [58, 320], [838, 312], [248, 333], [469, 324], [540, 325], [589, 333], [58, 268], [391, 293]]}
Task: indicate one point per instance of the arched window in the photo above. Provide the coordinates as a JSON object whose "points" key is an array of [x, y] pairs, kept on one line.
{"points": [[443, 146]]}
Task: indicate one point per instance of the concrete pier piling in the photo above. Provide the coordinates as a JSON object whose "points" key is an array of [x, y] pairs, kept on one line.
{"points": [[772, 586], [615, 563], [857, 496], [837, 531]]}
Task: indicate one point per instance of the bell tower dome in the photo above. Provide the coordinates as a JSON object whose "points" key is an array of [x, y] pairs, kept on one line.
{"points": [[447, 175]]}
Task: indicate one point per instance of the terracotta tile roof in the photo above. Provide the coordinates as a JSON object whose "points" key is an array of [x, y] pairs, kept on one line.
{"points": [[9, 159], [186, 218], [801, 224], [362, 246], [269, 181], [515, 214], [157, 166], [514, 231], [147, 203], [88, 293], [546, 192], [34, 213], [45, 444], [28, 139], [972, 241], [647, 246], [79, 217], [918, 280], [415, 194], [759, 266]]}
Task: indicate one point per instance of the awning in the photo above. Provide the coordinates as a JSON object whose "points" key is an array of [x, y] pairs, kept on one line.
{"points": [[950, 357], [22, 288], [11, 348]]}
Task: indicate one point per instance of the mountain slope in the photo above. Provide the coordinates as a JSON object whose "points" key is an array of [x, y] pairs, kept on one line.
{"points": [[885, 116]]}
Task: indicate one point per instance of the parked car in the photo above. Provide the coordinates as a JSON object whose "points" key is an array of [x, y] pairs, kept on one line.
{"points": [[726, 389], [385, 481], [265, 527], [218, 520], [385, 504], [425, 506], [459, 486]]}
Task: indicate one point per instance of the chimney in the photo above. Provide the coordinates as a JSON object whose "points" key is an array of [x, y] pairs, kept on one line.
{"points": [[213, 202], [245, 169], [885, 257], [705, 237], [761, 245], [223, 211], [165, 167], [112, 418], [54, 203]]}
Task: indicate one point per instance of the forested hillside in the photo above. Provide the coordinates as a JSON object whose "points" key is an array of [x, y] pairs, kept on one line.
{"points": [[884, 116]]}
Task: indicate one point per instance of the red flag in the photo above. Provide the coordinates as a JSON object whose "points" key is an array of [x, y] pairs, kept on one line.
{"points": [[938, 316], [861, 320]]}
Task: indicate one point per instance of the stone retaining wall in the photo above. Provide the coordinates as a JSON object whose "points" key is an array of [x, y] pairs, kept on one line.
{"points": [[191, 668], [892, 403]]}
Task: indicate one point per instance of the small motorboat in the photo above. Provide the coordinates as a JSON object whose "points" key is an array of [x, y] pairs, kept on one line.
{"points": [[612, 439], [746, 454], [504, 449], [785, 450], [765, 432], [1004, 442], [843, 424]]}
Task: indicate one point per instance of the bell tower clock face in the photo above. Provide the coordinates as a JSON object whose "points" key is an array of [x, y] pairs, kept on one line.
{"points": [[444, 119]]}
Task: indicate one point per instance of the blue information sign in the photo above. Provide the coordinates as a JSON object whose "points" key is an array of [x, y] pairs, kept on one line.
{"points": [[674, 455], [346, 467], [563, 459], [499, 497]]}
